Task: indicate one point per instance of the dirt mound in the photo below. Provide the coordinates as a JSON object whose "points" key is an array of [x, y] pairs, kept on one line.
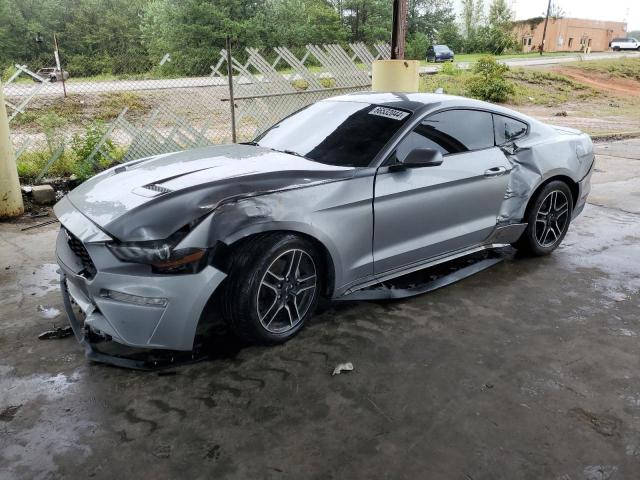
{"points": [[603, 82]]}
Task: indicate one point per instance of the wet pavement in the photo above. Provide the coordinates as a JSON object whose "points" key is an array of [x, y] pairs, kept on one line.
{"points": [[527, 370]]}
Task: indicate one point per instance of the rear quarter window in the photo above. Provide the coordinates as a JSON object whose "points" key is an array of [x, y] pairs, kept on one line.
{"points": [[508, 129]]}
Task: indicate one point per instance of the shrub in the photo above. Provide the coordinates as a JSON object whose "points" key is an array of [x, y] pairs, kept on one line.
{"points": [[83, 145], [450, 69], [74, 159], [7, 72], [488, 81]]}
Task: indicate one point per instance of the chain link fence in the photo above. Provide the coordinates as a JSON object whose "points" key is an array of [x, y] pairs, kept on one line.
{"points": [[82, 125]]}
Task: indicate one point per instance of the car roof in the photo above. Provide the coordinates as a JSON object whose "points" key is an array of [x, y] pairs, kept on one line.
{"points": [[421, 101]]}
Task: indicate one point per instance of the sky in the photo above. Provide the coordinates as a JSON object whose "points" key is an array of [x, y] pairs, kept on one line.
{"points": [[615, 10]]}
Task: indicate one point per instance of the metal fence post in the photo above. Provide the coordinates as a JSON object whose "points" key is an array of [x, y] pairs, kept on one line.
{"points": [[232, 103]]}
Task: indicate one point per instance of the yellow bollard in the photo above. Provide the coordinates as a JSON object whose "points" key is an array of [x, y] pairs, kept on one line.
{"points": [[10, 195], [395, 76]]}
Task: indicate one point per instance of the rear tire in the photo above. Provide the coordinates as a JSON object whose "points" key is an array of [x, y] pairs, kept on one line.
{"points": [[273, 287], [548, 217]]}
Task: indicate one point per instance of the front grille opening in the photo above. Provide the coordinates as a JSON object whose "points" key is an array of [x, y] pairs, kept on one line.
{"points": [[80, 251]]}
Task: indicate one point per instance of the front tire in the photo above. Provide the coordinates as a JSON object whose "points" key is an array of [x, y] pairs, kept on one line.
{"points": [[548, 217], [273, 287]]}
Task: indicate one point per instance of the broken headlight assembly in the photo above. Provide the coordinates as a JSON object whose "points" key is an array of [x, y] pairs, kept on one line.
{"points": [[162, 255]]}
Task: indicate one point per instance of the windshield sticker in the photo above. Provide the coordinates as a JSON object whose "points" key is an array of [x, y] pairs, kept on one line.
{"points": [[389, 113]]}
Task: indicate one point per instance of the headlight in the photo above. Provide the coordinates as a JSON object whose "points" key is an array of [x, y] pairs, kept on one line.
{"points": [[161, 254]]}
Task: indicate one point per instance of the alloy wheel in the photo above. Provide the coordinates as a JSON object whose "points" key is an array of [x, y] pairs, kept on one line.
{"points": [[287, 291], [552, 218]]}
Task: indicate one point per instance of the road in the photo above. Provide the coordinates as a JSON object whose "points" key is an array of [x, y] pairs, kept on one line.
{"points": [[21, 90], [542, 61], [528, 370]]}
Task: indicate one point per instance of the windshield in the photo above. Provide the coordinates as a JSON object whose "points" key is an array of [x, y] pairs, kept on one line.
{"points": [[441, 48], [346, 134]]}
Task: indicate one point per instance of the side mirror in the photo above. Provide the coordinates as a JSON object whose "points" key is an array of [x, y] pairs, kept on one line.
{"points": [[423, 157]]}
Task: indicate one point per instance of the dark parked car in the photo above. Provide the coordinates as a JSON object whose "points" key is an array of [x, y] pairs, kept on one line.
{"points": [[439, 53], [52, 74], [271, 226]]}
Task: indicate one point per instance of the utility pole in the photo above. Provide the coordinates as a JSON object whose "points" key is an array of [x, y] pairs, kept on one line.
{"points": [[544, 32], [399, 29], [396, 74], [10, 194]]}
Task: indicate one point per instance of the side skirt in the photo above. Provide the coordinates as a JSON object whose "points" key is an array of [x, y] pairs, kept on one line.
{"points": [[500, 238]]}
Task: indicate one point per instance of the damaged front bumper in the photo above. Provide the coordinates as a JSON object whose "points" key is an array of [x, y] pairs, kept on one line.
{"points": [[123, 304], [146, 336], [91, 341]]}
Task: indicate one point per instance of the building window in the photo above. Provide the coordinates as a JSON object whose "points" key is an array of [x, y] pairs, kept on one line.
{"points": [[570, 42], [529, 43], [589, 43]]}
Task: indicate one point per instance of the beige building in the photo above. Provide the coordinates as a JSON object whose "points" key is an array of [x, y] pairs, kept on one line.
{"points": [[568, 34]]}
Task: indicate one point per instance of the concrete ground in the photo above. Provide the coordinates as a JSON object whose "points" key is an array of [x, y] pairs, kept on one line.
{"points": [[529, 370]]}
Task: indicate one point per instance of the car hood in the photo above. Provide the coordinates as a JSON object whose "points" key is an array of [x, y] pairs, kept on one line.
{"points": [[150, 199]]}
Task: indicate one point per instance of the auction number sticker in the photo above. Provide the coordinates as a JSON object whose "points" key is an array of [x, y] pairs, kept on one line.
{"points": [[389, 113]]}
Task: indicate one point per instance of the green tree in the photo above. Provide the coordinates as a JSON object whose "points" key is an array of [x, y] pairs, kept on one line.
{"points": [[194, 31], [367, 20], [449, 34], [307, 21], [500, 14]]}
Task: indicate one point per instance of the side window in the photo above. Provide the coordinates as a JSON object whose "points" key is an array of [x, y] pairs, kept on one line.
{"points": [[420, 137], [453, 131], [462, 130], [507, 129]]}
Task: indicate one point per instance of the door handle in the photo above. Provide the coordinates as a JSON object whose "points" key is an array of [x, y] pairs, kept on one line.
{"points": [[496, 172]]}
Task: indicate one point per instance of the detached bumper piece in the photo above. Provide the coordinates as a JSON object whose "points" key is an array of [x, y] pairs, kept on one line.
{"points": [[429, 279], [100, 348]]}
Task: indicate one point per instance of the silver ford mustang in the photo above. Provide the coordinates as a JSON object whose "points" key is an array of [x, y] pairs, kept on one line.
{"points": [[342, 195]]}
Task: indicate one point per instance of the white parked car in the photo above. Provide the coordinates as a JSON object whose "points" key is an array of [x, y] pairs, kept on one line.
{"points": [[624, 44]]}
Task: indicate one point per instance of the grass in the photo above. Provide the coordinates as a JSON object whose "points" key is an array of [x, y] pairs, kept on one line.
{"points": [[111, 104], [473, 57], [536, 87], [622, 68], [78, 108], [532, 87], [32, 162]]}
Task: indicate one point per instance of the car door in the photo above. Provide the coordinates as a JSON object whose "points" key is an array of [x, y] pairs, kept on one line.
{"points": [[425, 212]]}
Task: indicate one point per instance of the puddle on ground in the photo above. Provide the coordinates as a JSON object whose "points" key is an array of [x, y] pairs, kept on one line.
{"points": [[609, 241], [19, 390], [48, 312], [40, 280], [54, 433]]}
